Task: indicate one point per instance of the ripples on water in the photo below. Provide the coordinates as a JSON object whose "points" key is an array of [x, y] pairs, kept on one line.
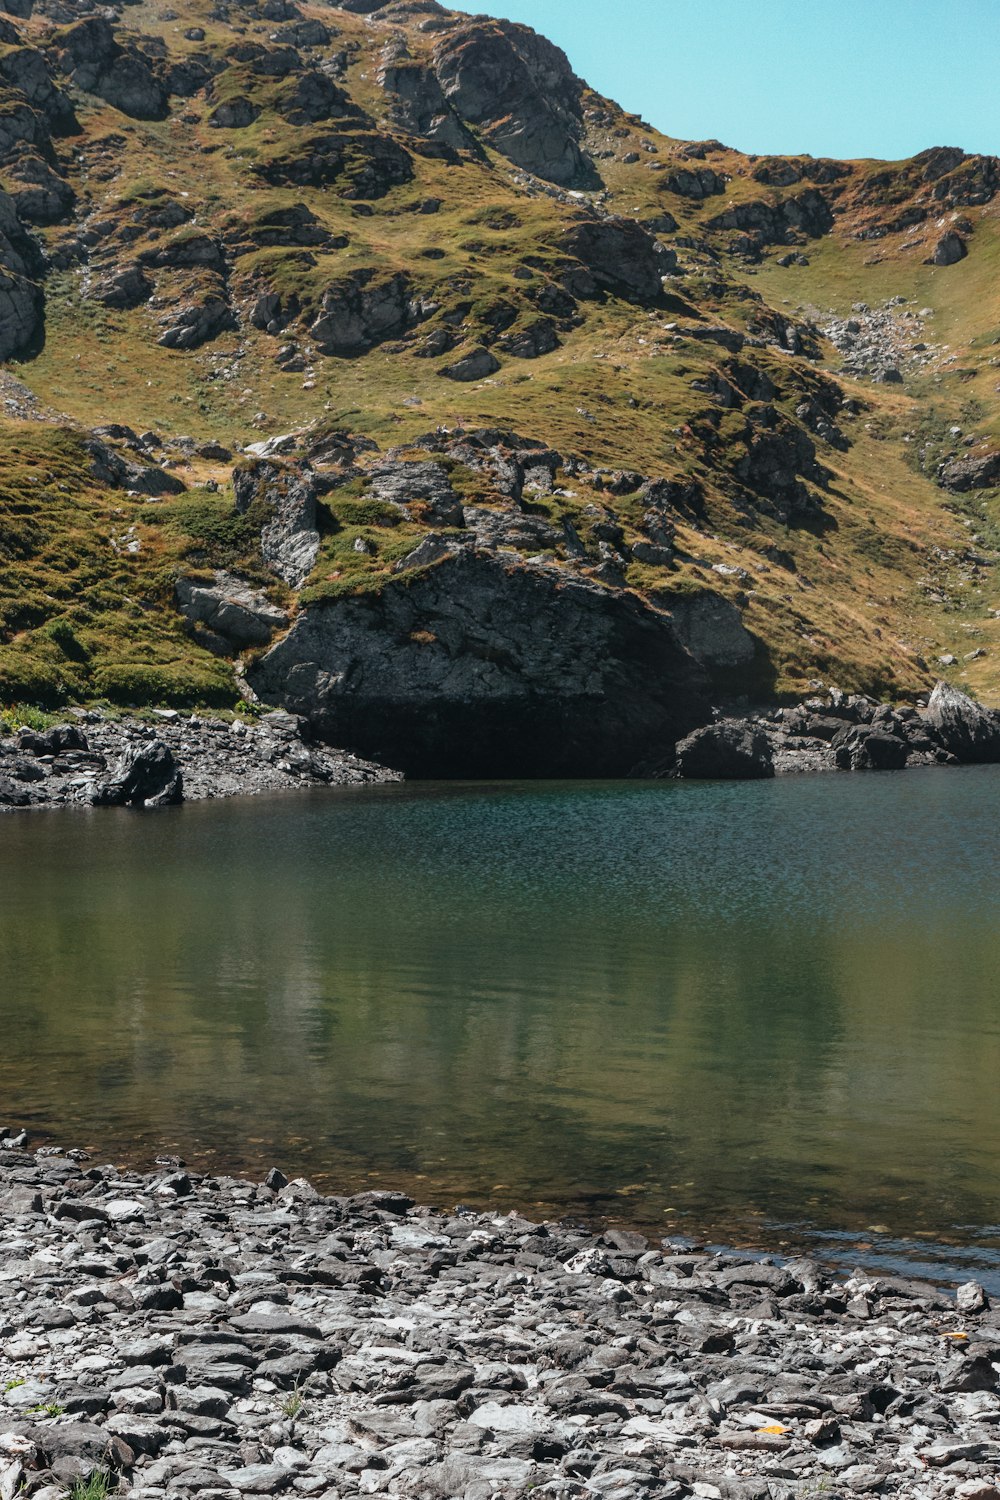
{"points": [[763, 1011]]}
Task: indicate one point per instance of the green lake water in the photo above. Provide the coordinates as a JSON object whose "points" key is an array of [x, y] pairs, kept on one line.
{"points": [[765, 1012]]}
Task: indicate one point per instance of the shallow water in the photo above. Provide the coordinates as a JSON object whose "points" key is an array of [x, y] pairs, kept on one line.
{"points": [[763, 1012]]}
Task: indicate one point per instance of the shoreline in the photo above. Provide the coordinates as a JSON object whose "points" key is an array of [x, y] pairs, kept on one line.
{"points": [[168, 757], [206, 1335]]}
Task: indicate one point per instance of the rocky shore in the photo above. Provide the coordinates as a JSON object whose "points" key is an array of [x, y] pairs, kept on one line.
{"points": [[173, 757], [840, 732], [173, 1335]]}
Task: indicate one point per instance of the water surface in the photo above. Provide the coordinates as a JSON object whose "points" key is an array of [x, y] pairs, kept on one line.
{"points": [[762, 1011]]}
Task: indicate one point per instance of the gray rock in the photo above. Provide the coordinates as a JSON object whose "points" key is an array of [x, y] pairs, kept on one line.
{"points": [[146, 776], [731, 750], [961, 726], [230, 607], [287, 498], [475, 364], [361, 310], [949, 249], [520, 93]]}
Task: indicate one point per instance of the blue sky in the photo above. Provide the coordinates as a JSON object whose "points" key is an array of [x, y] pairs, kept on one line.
{"points": [[846, 78]]}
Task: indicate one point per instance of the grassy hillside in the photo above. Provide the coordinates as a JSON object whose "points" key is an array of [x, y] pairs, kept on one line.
{"points": [[851, 563]]}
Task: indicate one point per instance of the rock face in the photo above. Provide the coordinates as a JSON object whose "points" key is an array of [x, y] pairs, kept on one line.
{"points": [[417, 104], [712, 629], [960, 725], [620, 254], [478, 666], [731, 750], [475, 364], [360, 311], [949, 249], [98, 63], [522, 95], [21, 298], [231, 610], [286, 500]]}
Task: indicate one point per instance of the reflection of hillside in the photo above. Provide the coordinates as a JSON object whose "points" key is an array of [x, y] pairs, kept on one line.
{"points": [[675, 991]]}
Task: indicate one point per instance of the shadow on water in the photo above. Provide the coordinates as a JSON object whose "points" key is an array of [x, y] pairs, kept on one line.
{"points": [[767, 1013]]}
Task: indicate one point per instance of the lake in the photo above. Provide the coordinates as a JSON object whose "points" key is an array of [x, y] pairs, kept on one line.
{"points": [[766, 1013]]}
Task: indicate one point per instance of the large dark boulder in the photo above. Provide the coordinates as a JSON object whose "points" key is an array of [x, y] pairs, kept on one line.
{"points": [[732, 750], [620, 255], [52, 741], [146, 776], [962, 726], [476, 665]]}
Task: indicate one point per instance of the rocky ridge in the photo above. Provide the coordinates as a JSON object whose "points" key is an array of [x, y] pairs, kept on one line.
{"points": [[185, 1334]]}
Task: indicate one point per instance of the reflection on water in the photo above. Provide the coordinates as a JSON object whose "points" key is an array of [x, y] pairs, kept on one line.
{"points": [[695, 1007]]}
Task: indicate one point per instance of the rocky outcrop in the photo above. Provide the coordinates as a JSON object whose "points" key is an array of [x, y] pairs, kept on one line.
{"points": [[21, 297], [475, 363], [95, 61], [620, 255], [231, 610], [361, 310], [284, 500], [731, 750], [522, 96], [962, 726], [949, 249], [806, 213], [421, 491], [711, 628], [197, 319], [418, 106], [980, 471], [481, 666]]}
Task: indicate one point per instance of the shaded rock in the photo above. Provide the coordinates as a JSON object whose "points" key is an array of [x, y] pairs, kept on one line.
{"points": [[949, 249], [620, 254], [477, 666], [417, 104], [123, 76], [981, 472], [731, 750], [361, 310], [476, 364], [712, 629], [197, 321], [231, 608], [123, 287], [865, 749], [234, 114]]}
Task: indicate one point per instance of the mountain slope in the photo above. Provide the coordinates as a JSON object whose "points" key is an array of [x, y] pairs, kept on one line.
{"points": [[509, 350]]}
